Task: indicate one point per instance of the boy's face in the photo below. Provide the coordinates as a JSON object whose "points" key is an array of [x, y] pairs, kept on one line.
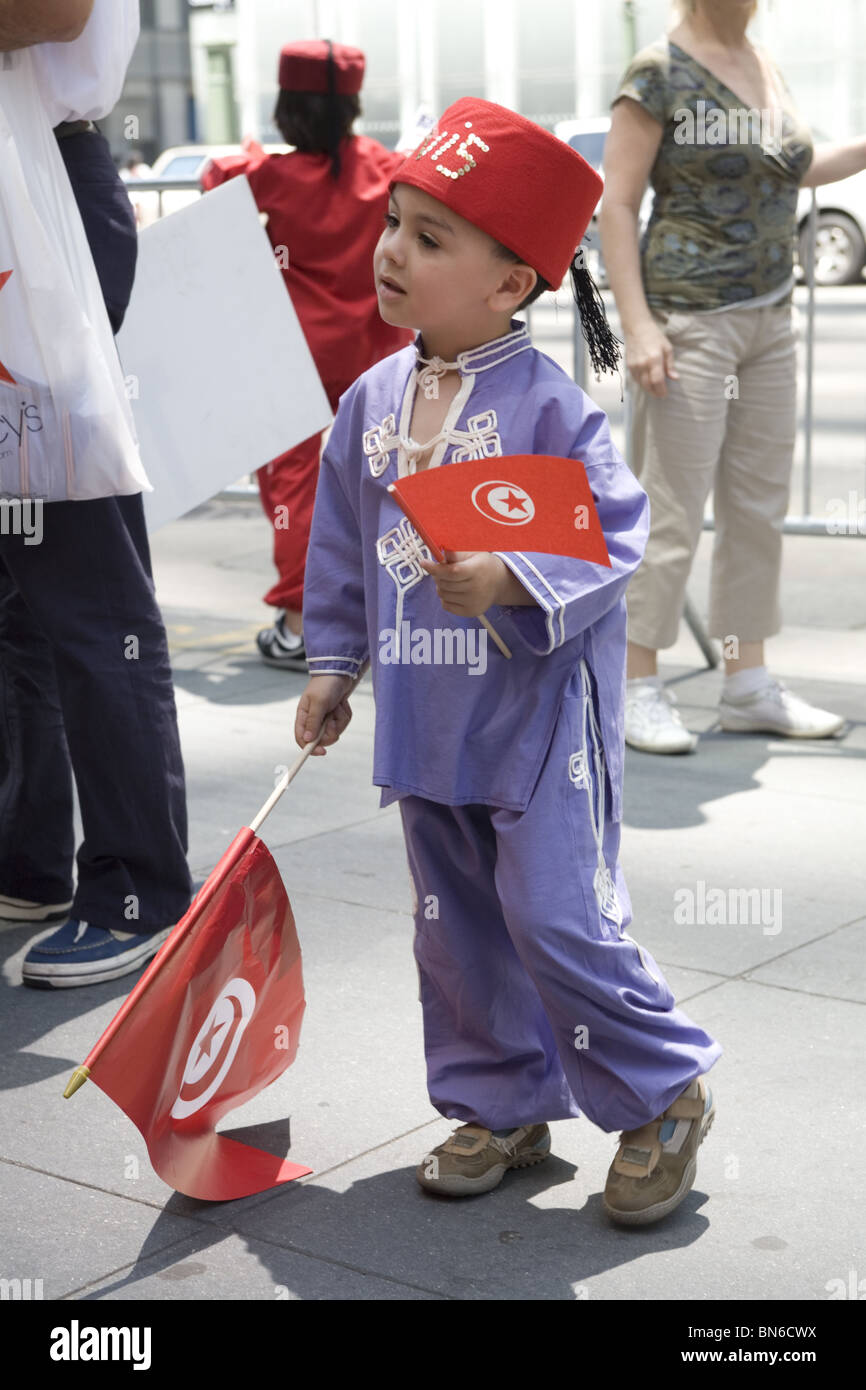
{"points": [[438, 273]]}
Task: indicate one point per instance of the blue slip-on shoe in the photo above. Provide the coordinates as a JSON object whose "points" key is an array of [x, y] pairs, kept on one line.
{"points": [[79, 953]]}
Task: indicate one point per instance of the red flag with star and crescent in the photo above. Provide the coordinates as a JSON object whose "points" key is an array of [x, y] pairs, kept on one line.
{"points": [[534, 502], [214, 1019]]}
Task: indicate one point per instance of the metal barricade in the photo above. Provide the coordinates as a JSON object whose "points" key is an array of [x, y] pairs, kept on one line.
{"points": [[161, 186], [804, 524]]}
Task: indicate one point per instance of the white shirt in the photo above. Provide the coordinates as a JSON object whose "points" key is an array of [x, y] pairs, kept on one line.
{"points": [[82, 80]]}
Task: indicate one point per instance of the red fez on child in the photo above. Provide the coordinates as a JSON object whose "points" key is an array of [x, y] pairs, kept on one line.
{"points": [[304, 67], [523, 186]]}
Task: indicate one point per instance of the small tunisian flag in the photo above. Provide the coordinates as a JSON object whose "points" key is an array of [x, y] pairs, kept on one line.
{"points": [[513, 502], [213, 1020]]}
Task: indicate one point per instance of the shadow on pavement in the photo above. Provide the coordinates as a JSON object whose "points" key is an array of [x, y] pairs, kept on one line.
{"points": [[671, 792], [27, 1014], [247, 682], [497, 1246]]}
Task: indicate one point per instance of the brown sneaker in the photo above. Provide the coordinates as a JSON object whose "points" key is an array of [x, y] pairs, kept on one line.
{"points": [[655, 1165], [474, 1160]]}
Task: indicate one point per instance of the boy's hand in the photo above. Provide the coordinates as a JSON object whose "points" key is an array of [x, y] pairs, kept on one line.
{"points": [[324, 695], [472, 580]]}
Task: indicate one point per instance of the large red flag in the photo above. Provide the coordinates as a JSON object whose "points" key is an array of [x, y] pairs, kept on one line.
{"points": [[214, 1019], [513, 502]]}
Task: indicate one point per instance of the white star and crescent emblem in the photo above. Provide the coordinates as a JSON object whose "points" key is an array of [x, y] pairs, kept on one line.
{"points": [[214, 1048], [503, 502]]}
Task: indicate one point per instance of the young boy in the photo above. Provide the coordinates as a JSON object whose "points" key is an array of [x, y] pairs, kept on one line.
{"points": [[537, 1004]]}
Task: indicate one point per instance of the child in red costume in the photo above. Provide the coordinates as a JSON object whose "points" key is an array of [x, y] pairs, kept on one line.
{"points": [[326, 203]]}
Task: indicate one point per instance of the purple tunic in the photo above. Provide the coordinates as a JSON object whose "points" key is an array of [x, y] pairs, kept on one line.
{"points": [[538, 1004], [445, 731]]}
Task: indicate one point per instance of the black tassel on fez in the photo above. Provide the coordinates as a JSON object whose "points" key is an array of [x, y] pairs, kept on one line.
{"points": [[333, 118], [603, 345]]}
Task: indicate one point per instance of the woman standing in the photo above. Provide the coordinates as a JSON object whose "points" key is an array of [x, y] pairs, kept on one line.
{"points": [[326, 204], [707, 313]]}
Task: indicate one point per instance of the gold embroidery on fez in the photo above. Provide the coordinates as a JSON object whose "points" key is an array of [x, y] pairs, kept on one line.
{"points": [[462, 152]]}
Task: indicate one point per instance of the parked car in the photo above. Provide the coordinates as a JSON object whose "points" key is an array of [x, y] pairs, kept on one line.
{"points": [[181, 162], [840, 240], [588, 137], [840, 233]]}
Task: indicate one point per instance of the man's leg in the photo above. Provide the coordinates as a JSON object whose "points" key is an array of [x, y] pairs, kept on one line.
{"points": [[89, 589], [36, 832]]}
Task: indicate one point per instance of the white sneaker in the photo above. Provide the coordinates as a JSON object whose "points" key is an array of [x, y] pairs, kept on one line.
{"points": [[23, 910], [651, 722], [774, 710]]}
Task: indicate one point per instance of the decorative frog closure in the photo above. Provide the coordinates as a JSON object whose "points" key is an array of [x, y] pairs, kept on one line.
{"points": [[399, 550]]}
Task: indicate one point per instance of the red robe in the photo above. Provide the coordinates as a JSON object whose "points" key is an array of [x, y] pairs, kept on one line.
{"points": [[329, 229]]}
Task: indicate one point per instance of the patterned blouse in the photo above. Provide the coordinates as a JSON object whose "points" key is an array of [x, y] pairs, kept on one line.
{"points": [[725, 183]]}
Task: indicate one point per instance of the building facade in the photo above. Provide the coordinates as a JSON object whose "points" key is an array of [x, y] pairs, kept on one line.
{"points": [[550, 59], [156, 106]]}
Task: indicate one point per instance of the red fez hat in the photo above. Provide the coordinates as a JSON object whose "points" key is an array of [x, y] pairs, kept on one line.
{"points": [[304, 67], [526, 188]]}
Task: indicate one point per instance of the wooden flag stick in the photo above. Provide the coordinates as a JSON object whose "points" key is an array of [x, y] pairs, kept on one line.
{"points": [[238, 847], [296, 766], [286, 778], [202, 899], [495, 635], [441, 558]]}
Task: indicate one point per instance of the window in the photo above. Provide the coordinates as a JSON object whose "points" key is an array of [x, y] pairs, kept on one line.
{"points": [[221, 115]]}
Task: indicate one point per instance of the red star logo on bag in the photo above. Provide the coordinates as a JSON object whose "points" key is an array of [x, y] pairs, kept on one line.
{"points": [[4, 374]]}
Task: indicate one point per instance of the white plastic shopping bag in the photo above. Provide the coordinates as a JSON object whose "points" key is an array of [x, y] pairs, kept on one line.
{"points": [[66, 429]]}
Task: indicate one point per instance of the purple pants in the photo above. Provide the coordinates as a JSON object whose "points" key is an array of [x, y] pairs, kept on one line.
{"points": [[537, 1004]]}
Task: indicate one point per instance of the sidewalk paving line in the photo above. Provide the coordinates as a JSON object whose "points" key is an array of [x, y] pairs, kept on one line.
{"points": [[792, 989], [295, 1250], [745, 976]]}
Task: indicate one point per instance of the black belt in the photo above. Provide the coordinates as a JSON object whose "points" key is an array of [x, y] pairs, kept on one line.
{"points": [[67, 128]]}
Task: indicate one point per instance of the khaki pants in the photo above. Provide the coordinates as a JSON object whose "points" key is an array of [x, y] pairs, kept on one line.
{"points": [[727, 424]]}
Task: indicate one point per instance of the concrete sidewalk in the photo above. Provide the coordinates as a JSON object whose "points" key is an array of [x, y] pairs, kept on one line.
{"points": [[772, 1214]]}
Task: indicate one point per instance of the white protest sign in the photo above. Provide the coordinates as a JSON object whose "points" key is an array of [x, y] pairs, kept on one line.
{"points": [[217, 368]]}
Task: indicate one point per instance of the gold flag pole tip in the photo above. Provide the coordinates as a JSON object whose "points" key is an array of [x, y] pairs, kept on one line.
{"points": [[76, 1080]]}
